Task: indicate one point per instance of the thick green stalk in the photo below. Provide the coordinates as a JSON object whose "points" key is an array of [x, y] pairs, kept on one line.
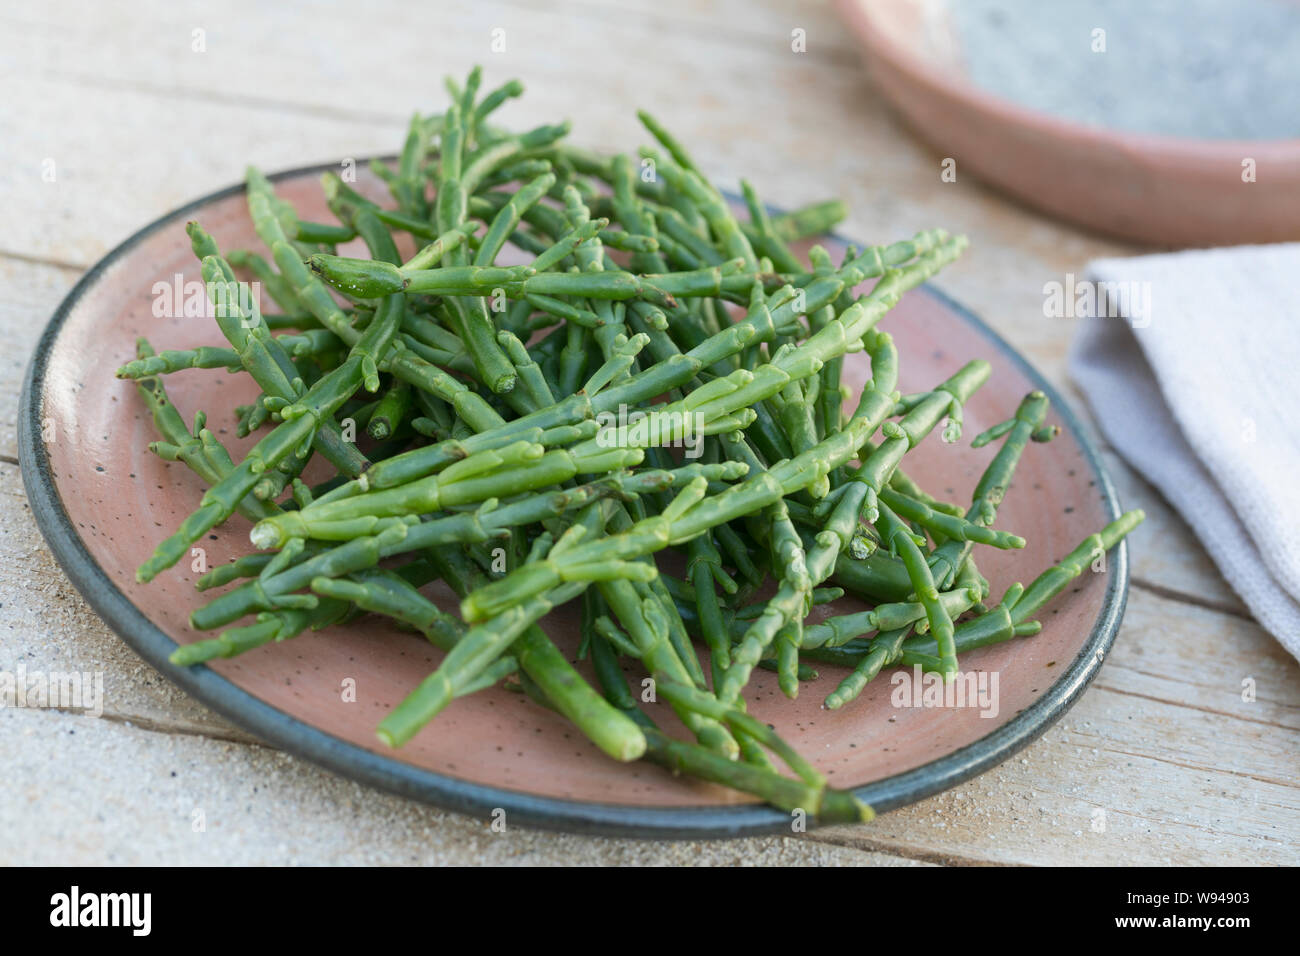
{"points": [[480, 646], [301, 421], [490, 521], [261, 355], [678, 526], [1052, 581], [900, 540], [947, 559], [199, 450], [791, 601]]}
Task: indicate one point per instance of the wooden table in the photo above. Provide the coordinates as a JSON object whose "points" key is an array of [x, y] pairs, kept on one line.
{"points": [[112, 118]]}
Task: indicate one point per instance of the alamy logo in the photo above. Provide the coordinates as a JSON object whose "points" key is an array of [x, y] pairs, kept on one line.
{"points": [[1091, 298], [102, 909], [57, 690], [926, 689], [180, 299], [633, 428]]}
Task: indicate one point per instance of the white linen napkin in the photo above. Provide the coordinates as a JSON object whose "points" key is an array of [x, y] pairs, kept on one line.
{"points": [[1191, 363]]}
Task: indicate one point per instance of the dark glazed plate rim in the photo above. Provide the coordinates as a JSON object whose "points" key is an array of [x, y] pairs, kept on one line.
{"points": [[134, 626]]}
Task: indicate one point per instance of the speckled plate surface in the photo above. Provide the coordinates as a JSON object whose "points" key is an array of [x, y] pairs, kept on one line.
{"points": [[103, 501]]}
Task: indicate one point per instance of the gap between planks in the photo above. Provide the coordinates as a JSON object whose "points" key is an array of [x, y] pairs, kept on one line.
{"points": [[1199, 768], [152, 725], [906, 851], [228, 99], [752, 41], [177, 729], [185, 728], [65, 264], [1173, 594], [156, 725]]}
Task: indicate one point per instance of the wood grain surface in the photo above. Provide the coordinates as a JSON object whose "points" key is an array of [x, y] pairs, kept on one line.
{"points": [[1161, 762]]}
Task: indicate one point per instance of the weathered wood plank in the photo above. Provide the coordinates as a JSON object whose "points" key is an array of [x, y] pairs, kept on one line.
{"points": [[30, 294], [111, 178], [1184, 769], [147, 793], [46, 626]]}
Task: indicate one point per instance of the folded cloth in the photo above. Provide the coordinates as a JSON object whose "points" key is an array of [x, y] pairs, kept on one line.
{"points": [[1191, 363]]}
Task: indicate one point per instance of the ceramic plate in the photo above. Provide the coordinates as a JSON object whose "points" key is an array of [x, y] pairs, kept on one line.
{"points": [[1168, 190], [104, 501]]}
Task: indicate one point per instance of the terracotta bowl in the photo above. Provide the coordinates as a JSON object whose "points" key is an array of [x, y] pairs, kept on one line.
{"points": [[1157, 189], [104, 502]]}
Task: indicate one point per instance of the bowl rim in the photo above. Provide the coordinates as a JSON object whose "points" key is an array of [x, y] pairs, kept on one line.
{"points": [[351, 761], [1191, 151]]}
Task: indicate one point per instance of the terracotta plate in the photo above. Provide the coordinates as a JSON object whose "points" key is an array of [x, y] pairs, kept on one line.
{"points": [[1168, 190], [104, 502]]}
